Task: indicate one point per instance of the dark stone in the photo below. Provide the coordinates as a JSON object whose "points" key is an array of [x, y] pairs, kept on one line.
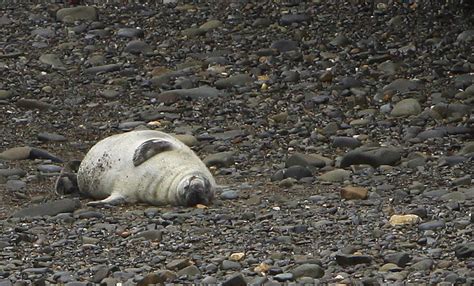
{"points": [[464, 250], [434, 224], [235, 280], [349, 260], [371, 156], [297, 172], [49, 209], [400, 258]]}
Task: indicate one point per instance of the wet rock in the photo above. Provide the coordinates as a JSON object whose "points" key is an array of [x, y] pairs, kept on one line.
{"points": [[49, 209]]}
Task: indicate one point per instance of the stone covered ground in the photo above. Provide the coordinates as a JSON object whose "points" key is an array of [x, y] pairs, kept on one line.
{"points": [[341, 138]]}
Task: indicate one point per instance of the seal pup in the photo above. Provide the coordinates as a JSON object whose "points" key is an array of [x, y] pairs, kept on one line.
{"points": [[145, 166]]}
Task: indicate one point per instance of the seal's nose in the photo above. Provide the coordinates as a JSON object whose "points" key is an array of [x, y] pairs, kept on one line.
{"points": [[197, 194]]}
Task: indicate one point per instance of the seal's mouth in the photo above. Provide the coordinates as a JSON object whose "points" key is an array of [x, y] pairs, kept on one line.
{"points": [[197, 191]]}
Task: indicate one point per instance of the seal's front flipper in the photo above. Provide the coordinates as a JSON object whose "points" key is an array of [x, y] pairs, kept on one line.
{"points": [[149, 149], [67, 180], [113, 200]]}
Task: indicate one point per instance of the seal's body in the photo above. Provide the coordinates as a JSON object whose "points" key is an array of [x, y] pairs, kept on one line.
{"points": [[145, 166]]}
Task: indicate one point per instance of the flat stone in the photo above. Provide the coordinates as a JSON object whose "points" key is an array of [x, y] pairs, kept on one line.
{"points": [[402, 85], [354, 193], [431, 225], [306, 160], [464, 250], [103, 69], [76, 13], [52, 60], [210, 25], [289, 19], [399, 258], [193, 32], [15, 185], [130, 33], [12, 172], [284, 45], [466, 36], [371, 156], [337, 175], [229, 195], [187, 139], [345, 142], [297, 172], [5, 94], [308, 270], [48, 168], [220, 160], [235, 280], [172, 96], [230, 265], [34, 104], [233, 81], [157, 278], [406, 107], [404, 219], [137, 47], [51, 137], [50, 208], [190, 271], [153, 234], [349, 260]]}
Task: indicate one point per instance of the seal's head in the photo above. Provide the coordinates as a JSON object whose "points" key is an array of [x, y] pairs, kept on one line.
{"points": [[195, 189]]}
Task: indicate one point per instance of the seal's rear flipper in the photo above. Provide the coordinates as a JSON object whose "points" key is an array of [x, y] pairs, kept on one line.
{"points": [[113, 199], [149, 149], [67, 180]]}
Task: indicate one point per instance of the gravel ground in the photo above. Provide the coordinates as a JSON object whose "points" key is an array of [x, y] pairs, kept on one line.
{"points": [[341, 138]]}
